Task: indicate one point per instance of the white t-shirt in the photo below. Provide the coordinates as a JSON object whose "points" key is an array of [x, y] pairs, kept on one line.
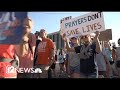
{"points": [[61, 58]]}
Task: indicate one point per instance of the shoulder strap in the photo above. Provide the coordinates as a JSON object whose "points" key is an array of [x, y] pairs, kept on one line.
{"points": [[37, 43], [30, 48], [30, 37], [35, 53]]}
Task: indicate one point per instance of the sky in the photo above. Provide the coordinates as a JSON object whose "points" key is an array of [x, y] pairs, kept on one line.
{"points": [[50, 21]]}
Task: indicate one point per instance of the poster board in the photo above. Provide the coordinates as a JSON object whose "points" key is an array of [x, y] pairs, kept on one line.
{"points": [[106, 35], [83, 25], [11, 27]]}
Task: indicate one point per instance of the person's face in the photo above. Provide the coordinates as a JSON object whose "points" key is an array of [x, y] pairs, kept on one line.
{"points": [[86, 38], [43, 33], [74, 40], [27, 24]]}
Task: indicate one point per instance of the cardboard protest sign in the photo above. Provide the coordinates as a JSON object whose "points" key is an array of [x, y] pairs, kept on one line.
{"points": [[11, 27], [61, 21], [83, 25], [106, 35]]}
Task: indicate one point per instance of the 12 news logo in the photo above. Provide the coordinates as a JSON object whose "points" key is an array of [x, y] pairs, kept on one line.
{"points": [[11, 69]]}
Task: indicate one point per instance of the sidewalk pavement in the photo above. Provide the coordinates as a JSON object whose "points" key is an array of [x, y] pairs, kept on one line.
{"points": [[58, 75]]}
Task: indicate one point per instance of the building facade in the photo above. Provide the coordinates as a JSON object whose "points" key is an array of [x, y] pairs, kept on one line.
{"points": [[56, 37]]}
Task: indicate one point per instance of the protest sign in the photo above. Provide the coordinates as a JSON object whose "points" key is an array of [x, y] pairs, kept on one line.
{"points": [[83, 25], [11, 27], [61, 21], [106, 35]]}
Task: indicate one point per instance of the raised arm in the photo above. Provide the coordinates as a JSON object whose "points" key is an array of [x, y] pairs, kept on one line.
{"points": [[96, 40], [67, 45]]}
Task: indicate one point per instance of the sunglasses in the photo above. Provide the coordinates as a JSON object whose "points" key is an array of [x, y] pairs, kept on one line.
{"points": [[84, 37], [73, 38]]}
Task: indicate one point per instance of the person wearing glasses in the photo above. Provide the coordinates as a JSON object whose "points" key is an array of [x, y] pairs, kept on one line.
{"points": [[87, 51], [74, 60]]}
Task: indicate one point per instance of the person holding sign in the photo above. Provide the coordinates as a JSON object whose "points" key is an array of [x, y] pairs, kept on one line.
{"points": [[87, 51], [74, 60]]}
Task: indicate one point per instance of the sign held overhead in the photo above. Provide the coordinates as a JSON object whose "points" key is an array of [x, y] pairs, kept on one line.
{"points": [[83, 25]]}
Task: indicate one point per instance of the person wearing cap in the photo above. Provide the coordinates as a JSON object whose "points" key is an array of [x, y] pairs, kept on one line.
{"points": [[87, 51], [45, 52], [74, 60]]}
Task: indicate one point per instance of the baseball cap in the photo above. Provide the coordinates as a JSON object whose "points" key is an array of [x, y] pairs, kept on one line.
{"points": [[73, 38]]}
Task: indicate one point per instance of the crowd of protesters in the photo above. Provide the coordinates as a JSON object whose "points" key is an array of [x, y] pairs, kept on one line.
{"points": [[81, 57]]}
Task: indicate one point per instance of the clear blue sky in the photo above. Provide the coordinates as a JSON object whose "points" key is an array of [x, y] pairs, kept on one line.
{"points": [[51, 21]]}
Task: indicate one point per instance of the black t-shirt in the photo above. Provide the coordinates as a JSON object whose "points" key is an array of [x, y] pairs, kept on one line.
{"points": [[87, 58]]}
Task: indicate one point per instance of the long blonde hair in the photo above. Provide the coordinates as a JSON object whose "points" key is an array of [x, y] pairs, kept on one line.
{"points": [[24, 46]]}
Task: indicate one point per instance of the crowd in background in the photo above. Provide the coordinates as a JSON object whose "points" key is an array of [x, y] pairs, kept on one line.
{"points": [[81, 57]]}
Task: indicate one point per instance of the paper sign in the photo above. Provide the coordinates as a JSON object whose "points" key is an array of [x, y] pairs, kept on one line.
{"points": [[83, 25], [106, 35]]}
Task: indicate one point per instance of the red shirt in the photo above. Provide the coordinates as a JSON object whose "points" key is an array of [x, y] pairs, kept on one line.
{"points": [[44, 51], [7, 51]]}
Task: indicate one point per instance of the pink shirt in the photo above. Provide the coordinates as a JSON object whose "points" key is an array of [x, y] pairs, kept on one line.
{"points": [[26, 61]]}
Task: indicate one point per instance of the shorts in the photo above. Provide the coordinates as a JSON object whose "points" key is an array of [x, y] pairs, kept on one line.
{"points": [[75, 69], [89, 75], [62, 63], [53, 66], [7, 70]]}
